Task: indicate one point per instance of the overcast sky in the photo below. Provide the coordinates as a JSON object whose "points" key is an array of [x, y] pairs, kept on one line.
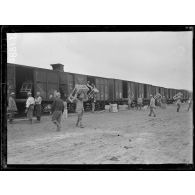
{"points": [[157, 58]]}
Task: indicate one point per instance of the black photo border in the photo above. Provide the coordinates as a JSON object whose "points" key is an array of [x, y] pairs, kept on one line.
{"points": [[77, 167]]}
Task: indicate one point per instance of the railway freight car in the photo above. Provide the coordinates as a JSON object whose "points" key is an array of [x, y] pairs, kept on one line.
{"points": [[22, 79]]}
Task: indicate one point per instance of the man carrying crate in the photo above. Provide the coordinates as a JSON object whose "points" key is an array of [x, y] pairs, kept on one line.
{"points": [[79, 95]]}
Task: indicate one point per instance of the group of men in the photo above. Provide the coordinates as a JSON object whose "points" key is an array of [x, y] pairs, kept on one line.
{"points": [[32, 105], [160, 102], [59, 107]]}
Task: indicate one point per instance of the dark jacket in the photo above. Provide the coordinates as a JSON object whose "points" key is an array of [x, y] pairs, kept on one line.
{"points": [[58, 105]]}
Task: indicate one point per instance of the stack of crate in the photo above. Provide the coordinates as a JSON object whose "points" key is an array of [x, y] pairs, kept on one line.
{"points": [[113, 108]]}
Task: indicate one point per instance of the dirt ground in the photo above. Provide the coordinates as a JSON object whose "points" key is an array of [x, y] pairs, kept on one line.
{"points": [[126, 137]]}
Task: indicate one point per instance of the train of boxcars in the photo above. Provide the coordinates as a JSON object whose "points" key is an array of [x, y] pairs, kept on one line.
{"points": [[47, 81]]}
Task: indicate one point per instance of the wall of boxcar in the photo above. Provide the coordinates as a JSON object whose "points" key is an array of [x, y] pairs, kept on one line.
{"points": [[106, 88], [46, 82], [64, 90], [111, 95], [153, 91], [162, 91], [140, 89], [131, 89], [149, 91], [118, 89], [166, 92], [80, 79], [100, 86]]}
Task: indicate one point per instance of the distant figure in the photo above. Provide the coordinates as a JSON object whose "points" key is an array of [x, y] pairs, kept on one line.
{"points": [[163, 102], [12, 108], [152, 106], [38, 100], [65, 109], [178, 103], [79, 109], [30, 102], [189, 104], [57, 111], [129, 102], [139, 102], [93, 101]]}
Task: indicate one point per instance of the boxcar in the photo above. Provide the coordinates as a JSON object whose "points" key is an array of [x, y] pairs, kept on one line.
{"points": [[21, 79]]}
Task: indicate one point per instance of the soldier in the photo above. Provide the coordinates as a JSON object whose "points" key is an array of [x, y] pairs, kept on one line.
{"points": [[30, 102], [38, 100], [12, 108], [57, 111], [152, 106]]}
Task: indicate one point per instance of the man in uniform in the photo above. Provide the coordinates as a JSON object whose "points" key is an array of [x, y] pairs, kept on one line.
{"points": [[57, 111], [12, 108], [152, 106]]}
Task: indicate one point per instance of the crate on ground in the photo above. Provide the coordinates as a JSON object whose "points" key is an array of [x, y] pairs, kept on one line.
{"points": [[123, 107], [107, 108], [113, 108]]}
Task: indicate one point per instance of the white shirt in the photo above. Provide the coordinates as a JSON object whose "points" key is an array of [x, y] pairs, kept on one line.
{"points": [[30, 101]]}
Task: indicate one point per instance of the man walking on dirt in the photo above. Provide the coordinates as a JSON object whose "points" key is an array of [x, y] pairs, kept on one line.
{"points": [[57, 111], [152, 106]]}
